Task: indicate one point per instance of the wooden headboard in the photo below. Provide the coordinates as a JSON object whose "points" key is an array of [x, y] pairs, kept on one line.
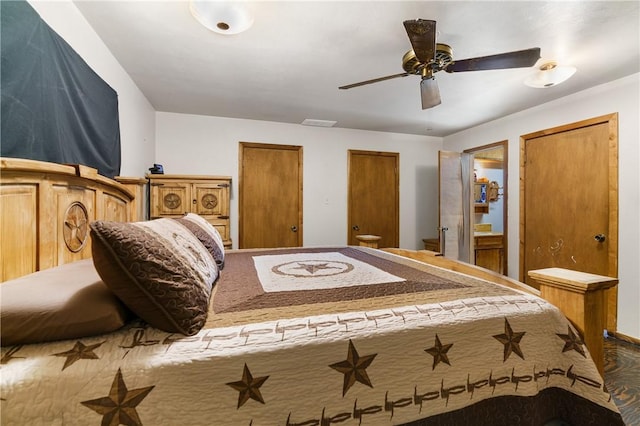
{"points": [[46, 208]]}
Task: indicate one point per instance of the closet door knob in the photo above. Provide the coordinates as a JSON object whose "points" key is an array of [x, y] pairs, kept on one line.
{"points": [[599, 238], [294, 228]]}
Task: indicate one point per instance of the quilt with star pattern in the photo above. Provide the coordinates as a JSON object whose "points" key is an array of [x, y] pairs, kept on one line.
{"points": [[323, 336]]}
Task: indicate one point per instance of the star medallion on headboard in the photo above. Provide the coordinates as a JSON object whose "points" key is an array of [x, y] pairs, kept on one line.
{"points": [[76, 226]]}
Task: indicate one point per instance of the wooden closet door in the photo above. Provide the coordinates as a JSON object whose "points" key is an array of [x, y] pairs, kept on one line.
{"points": [[270, 201], [569, 201], [374, 196]]}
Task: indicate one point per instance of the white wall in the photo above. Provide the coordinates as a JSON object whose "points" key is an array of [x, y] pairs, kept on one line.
{"points": [[137, 116], [192, 144], [621, 96]]}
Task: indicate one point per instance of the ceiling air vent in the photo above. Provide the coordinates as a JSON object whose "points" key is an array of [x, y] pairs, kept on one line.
{"points": [[318, 123]]}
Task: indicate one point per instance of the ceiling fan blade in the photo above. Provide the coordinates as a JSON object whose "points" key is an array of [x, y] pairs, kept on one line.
{"points": [[517, 59], [422, 35], [429, 93], [375, 80]]}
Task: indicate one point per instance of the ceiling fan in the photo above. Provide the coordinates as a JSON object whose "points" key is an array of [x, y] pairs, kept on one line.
{"points": [[429, 57]]}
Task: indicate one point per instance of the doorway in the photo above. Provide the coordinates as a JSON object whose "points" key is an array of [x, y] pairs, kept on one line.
{"points": [[374, 196], [473, 205], [569, 201], [270, 195], [490, 225]]}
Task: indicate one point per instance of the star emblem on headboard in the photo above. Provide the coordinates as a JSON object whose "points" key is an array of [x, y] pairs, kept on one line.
{"points": [[76, 226]]}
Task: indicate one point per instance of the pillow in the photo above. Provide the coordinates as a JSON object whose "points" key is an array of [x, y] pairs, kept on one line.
{"points": [[207, 234], [65, 302], [158, 269]]}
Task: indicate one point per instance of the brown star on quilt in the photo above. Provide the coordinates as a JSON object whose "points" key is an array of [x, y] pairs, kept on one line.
{"points": [[78, 352], [510, 340], [354, 368], [120, 406], [10, 354], [439, 353], [572, 342], [312, 268], [249, 387]]}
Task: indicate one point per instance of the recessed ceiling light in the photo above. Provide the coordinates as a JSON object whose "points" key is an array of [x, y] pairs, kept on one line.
{"points": [[318, 123], [222, 17]]}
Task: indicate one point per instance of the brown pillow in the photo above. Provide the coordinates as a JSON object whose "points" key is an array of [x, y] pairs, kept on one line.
{"points": [[159, 269], [66, 302], [207, 234]]}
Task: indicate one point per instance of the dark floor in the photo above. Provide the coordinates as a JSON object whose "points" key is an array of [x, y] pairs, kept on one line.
{"points": [[622, 377]]}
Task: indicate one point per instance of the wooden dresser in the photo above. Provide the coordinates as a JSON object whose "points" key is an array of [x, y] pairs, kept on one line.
{"points": [[207, 196], [489, 251], [432, 244], [46, 208]]}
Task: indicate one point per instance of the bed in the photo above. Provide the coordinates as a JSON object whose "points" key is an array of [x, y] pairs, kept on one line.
{"points": [[190, 333]]}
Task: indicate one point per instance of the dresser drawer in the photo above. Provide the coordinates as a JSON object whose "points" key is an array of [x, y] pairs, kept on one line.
{"points": [[488, 241]]}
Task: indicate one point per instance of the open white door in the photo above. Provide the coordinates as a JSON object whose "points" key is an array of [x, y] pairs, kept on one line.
{"points": [[455, 203]]}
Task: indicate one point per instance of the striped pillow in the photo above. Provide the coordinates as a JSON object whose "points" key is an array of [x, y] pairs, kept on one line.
{"points": [[207, 234], [158, 269]]}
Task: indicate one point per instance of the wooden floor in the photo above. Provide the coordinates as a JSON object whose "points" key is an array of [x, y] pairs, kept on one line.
{"points": [[622, 377]]}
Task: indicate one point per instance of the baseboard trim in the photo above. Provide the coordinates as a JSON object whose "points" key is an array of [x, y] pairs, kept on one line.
{"points": [[624, 337]]}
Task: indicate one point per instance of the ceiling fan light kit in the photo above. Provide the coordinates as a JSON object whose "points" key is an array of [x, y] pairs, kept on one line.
{"points": [[549, 74], [222, 17], [428, 57]]}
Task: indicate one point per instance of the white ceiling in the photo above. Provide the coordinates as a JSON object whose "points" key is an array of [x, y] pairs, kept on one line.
{"points": [[287, 67]]}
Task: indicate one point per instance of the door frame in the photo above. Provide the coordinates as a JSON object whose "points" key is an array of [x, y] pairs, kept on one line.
{"points": [[611, 120], [504, 144], [298, 148]]}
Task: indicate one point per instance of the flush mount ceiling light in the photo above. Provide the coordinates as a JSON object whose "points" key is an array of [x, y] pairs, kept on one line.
{"points": [[549, 74], [222, 17]]}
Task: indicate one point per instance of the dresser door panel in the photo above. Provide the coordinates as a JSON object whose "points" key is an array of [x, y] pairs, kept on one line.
{"points": [[170, 199], [210, 200]]}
